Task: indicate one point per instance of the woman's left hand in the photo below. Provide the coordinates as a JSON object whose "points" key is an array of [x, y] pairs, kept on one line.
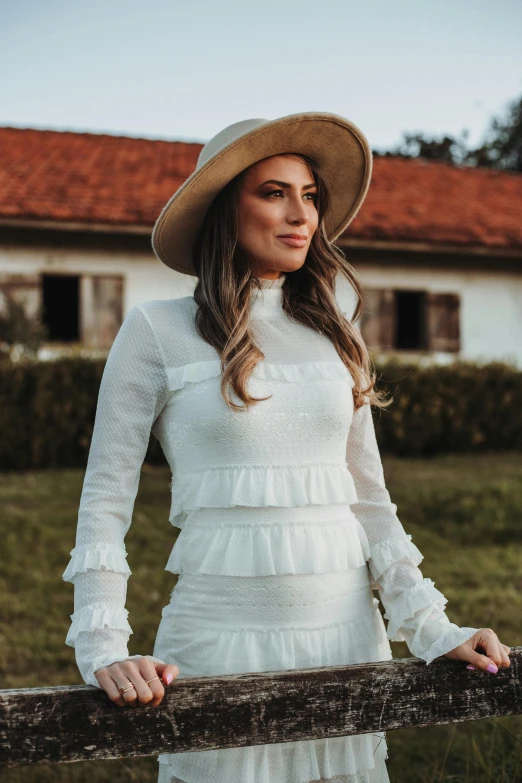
{"points": [[496, 654]]}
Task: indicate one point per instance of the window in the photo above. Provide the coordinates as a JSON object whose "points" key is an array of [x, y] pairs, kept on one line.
{"points": [[378, 318], [85, 309], [443, 322], [410, 307], [60, 296], [409, 320], [101, 310], [23, 289]]}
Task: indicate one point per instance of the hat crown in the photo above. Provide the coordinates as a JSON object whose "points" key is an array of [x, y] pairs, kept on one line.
{"points": [[226, 137]]}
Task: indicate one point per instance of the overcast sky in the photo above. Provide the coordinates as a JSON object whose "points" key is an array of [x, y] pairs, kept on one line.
{"points": [[184, 69]]}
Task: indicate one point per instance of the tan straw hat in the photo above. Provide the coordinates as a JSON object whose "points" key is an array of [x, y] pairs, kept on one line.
{"points": [[337, 145]]}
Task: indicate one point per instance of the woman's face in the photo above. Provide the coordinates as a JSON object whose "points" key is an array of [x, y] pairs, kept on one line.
{"points": [[277, 214]]}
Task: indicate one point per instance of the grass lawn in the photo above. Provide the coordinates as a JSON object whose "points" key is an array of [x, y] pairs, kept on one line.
{"points": [[464, 513]]}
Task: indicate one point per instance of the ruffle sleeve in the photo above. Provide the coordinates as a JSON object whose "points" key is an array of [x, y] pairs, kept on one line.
{"points": [[132, 393], [414, 607]]}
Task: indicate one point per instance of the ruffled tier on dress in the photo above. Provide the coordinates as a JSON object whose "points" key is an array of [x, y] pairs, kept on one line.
{"points": [[97, 616], [310, 372], [261, 541], [228, 625], [246, 541], [261, 485], [107, 557]]}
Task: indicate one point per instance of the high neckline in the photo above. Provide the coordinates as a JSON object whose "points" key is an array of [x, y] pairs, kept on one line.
{"points": [[266, 282], [269, 297]]}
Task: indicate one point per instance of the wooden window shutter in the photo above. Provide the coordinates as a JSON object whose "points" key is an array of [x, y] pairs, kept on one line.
{"points": [[378, 319], [101, 309], [25, 289], [443, 322]]}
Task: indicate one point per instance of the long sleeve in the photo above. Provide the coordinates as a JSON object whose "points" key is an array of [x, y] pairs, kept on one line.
{"points": [[414, 608], [132, 393]]}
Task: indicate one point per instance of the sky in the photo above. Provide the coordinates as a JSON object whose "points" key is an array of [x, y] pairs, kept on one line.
{"points": [[185, 69]]}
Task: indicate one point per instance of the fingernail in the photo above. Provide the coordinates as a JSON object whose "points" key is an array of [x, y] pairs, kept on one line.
{"points": [[492, 668], [169, 678], [470, 667]]}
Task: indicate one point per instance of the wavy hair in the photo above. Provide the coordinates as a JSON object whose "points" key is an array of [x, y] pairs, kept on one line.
{"points": [[224, 290]]}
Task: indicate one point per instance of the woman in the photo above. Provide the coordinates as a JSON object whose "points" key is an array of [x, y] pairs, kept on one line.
{"points": [[259, 390]]}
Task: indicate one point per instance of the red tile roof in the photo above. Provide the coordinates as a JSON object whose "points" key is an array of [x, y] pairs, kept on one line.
{"points": [[124, 181], [415, 200]]}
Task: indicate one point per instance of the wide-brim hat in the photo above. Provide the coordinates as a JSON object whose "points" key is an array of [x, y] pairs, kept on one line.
{"points": [[336, 144]]}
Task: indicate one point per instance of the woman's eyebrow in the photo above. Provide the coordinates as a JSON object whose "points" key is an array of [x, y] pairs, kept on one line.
{"points": [[285, 184]]}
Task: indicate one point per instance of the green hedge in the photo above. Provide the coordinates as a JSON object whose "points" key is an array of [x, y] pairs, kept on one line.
{"points": [[458, 407], [47, 410]]}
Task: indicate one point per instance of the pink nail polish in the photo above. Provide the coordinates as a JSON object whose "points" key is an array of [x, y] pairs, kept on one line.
{"points": [[492, 668], [470, 667], [169, 678]]}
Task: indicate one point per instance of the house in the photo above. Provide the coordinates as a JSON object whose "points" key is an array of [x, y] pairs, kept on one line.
{"points": [[438, 248]]}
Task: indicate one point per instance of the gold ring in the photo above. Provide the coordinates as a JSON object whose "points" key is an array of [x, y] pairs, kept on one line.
{"points": [[126, 687], [154, 678]]}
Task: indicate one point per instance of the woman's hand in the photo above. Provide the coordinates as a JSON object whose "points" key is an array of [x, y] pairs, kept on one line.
{"points": [[137, 671], [496, 654]]}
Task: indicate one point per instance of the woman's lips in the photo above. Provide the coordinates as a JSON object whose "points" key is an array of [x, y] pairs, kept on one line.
{"points": [[294, 241]]}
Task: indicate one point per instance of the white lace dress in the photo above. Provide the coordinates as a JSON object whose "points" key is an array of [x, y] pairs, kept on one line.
{"points": [[287, 529]]}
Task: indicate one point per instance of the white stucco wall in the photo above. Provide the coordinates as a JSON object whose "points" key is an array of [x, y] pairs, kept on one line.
{"points": [[145, 276], [491, 302]]}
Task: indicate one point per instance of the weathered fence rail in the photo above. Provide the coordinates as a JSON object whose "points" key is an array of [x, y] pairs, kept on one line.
{"points": [[75, 723]]}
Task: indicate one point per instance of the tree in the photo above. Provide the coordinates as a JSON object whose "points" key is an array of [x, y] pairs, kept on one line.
{"points": [[501, 147], [447, 150]]}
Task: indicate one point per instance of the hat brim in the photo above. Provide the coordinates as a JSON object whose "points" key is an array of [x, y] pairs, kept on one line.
{"points": [[337, 145]]}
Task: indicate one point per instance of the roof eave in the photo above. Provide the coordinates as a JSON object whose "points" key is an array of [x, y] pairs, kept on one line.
{"points": [[343, 242], [63, 225], [430, 247]]}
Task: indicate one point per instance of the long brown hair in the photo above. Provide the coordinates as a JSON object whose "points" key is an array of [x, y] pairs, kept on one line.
{"points": [[224, 290]]}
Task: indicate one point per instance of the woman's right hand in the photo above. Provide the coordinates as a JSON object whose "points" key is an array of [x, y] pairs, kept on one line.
{"points": [[136, 670]]}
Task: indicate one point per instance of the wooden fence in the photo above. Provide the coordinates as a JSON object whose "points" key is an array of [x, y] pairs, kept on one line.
{"points": [[76, 723]]}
